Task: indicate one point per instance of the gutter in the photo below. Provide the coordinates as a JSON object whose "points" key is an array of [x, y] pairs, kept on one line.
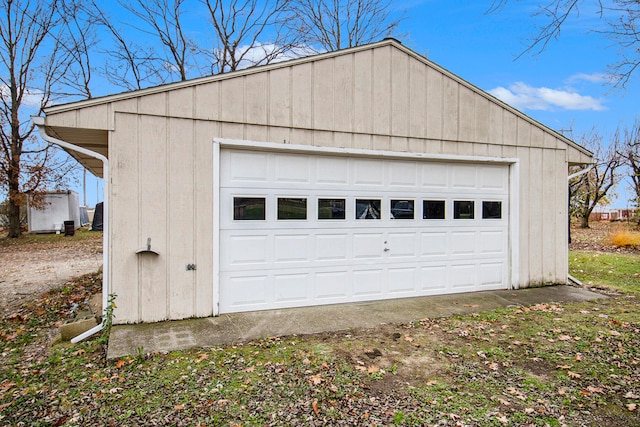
{"points": [[40, 123]]}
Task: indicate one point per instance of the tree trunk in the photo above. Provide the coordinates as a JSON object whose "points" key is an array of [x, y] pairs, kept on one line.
{"points": [[584, 221]]}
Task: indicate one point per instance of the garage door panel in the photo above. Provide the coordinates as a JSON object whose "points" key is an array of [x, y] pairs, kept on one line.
{"points": [[402, 174], [463, 243], [402, 281], [433, 279], [332, 171], [402, 245], [434, 176], [492, 242], [291, 287], [368, 283], [246, 249], [491, 274], [331, 247], [291, 248], [463, 276], [277, 263], [247, 168], [246, 293], [434, 244], [291, 169], [368, 173], [368, 245], [332, 285]]}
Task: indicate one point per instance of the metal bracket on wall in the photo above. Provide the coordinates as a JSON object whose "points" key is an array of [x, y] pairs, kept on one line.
{"points": [[191, 267]]}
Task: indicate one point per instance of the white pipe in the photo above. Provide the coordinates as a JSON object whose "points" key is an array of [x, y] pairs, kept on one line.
{"points": [[40, 123], [580, 172], [574, 280]]}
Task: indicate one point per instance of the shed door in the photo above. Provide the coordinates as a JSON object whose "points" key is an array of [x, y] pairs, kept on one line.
{"points": [[305, 229]]}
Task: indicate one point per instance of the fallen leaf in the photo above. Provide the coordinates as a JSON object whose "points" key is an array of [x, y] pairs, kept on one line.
{"points": [[631, 395], [573, 374], [595, 389], [120, 363], [431, 382], [614, 333], [564, 337], [563, 367], [372, 369], [79, 352], [316, 379], [529, 411], [632, 406], [178, 407], [250, 369], [314, 405]]}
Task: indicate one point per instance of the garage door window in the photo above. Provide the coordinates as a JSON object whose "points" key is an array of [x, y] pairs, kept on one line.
{"points": [[433, 209], [249, 208], [331, 208], [367, 208], [292, 208], [491, 210], [401, 209], [463, 209]]}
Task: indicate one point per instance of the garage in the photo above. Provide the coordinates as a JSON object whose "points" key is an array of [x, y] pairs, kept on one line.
{"points": [[303, 229], [364, 174]]}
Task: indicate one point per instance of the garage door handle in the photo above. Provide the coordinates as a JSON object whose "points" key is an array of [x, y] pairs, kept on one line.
{"points": [[386, 249]]}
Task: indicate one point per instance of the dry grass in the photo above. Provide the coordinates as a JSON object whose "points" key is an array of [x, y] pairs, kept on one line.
{"points": [[624, 238]]}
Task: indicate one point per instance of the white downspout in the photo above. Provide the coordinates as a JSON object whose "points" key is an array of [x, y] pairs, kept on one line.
{"points": [[40, 123], [569, 178]]}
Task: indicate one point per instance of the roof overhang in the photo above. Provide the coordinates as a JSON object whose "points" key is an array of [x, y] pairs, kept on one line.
{"points": [[96, 140]]}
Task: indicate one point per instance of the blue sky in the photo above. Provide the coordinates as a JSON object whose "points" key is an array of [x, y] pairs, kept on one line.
{"points": [[563, 87]]}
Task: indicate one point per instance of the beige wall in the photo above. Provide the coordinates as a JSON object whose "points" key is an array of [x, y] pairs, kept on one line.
{"points": [[383, 98]]}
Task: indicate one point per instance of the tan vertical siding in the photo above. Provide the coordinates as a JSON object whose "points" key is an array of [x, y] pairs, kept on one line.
{"points": [[537, 213], [399, 101], [180, 103], [155, 104], [434, 104], [323, 95], [152, 179], [343, 93], [381, 102], [301, 100], [363, 92], [450, 110], [257, 105], [123, 219], [467, 115], [279, 97], [232, 100], [524, 211], [207, 101], [417, 100]]}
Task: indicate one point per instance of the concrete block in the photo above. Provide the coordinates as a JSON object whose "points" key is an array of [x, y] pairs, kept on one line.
{"points": [[72, 328]]}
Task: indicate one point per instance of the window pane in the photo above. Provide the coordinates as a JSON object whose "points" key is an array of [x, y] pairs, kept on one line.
{"points": [[367, 209], [463, 209], [492, 210], [248, 208], [401, 209], [290, 208], [433, 209], [331, 209]]}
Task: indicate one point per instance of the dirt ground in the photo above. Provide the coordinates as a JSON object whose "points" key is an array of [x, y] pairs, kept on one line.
{"points": [[37, 264]]}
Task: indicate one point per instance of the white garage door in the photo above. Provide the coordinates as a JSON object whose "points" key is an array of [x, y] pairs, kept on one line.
{"points": [[306, 229]]}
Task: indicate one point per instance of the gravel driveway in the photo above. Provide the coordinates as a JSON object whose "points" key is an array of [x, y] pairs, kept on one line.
{"points": [[32, 268]]}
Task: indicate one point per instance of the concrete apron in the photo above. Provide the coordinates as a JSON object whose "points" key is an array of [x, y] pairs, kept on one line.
{"points": [[240, 327]]}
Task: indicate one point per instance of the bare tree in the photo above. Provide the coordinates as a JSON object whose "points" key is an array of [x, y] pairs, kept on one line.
{"points": [[128, 64], [249, 32], [80, 43], [594, 187], [32, 63], [621, 18], [337, 24], [163, 21], [630, 152]]}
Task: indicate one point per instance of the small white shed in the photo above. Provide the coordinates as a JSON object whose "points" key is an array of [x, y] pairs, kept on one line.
{"points": [[59, 206]]}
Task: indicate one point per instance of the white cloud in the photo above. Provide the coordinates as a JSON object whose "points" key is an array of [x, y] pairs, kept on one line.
{"points": [[523, 96], [30, 99], [591, 78]]}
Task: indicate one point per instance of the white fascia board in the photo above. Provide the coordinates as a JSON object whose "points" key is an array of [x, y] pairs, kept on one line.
{"points": [[334, 151]]}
